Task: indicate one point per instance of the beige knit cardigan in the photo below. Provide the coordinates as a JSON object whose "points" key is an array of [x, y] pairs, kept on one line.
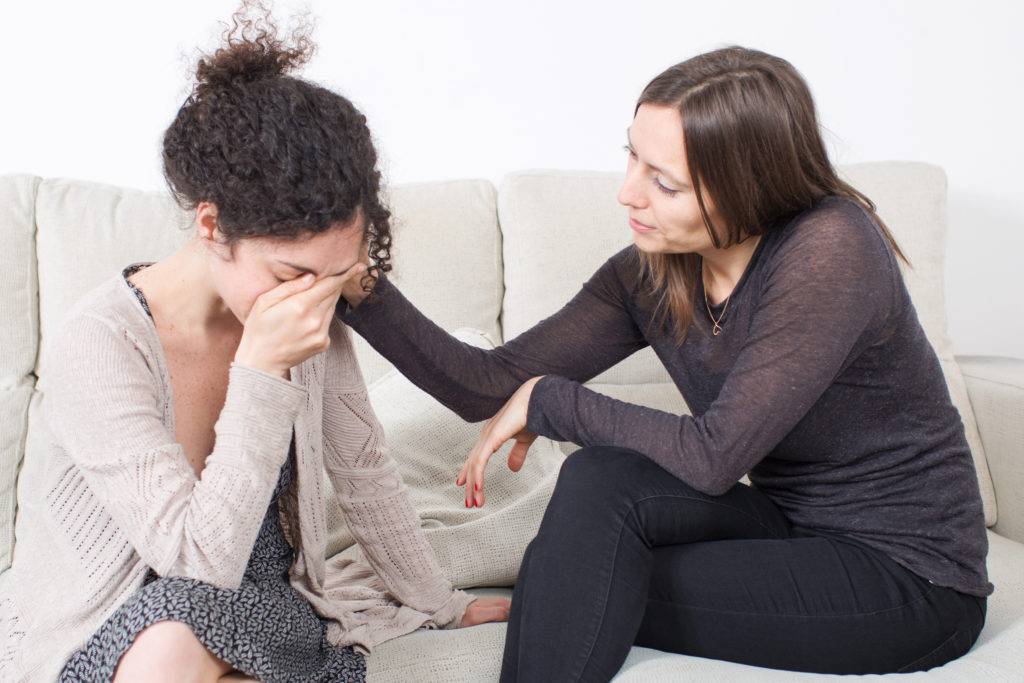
{"points": [[107, 493]]}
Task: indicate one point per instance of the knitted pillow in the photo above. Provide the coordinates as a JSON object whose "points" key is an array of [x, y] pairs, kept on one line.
{"points": [[480, 546]]}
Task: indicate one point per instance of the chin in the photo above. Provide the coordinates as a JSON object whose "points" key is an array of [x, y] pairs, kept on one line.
{"points": [[652, 243]]}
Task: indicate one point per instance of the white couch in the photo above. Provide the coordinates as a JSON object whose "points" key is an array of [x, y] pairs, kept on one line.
{"points": [[497, 261]]}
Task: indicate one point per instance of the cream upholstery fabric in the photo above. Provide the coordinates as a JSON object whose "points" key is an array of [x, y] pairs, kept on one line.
{"points": [[19, 336], [86, 231], [558, 227], [476, 546], [996, 387]]}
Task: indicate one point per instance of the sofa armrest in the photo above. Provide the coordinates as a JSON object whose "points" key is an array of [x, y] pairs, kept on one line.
{"points": [[996, 389]]}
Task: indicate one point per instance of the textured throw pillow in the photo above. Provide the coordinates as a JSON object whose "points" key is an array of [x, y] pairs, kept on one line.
{"points": [[475, 546]]}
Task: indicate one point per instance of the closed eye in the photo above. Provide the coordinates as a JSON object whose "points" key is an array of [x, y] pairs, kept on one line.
{"points": [[667, 190], [657, 183]]}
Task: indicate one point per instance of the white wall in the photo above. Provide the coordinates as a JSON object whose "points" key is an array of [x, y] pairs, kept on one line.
{"points": [[475, 89]]}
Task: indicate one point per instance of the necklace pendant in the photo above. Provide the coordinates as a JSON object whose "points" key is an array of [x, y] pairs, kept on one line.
{"points": [[716, 329]]}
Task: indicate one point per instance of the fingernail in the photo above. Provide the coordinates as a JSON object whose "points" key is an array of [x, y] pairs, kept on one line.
{"points": [[476, 485]]}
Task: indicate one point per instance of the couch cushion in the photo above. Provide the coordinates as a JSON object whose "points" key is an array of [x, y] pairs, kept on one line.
{"points": [[446, 251], [474, 654], [18, 294], [89, 231], [475, 546], [13, 425], [558, 227], [18, 337]]}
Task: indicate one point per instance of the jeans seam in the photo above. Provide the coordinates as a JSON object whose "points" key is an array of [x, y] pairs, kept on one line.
{"points": [[903, 669], [604, 605], [618, 542], [801, 616]]}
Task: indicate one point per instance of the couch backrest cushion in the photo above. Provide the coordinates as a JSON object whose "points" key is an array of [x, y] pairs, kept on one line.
{"points": [[558, 227], [446, 252]]}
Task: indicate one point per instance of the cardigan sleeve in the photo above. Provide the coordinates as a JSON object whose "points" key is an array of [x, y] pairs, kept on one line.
{"points": [[373, 496], [589, 334], [828, 294], [105, 410]]}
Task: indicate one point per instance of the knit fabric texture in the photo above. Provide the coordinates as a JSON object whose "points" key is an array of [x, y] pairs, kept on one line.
{"points": [[115, 495]]}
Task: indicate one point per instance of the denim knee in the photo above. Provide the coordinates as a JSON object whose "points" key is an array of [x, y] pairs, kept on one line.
{"points": [[596, 473]]}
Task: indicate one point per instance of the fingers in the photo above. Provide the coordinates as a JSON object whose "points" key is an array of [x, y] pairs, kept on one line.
{"points": [[517, 456], [324, 290], [477, 470], [467, 476], [284, 290], [483, 610]]}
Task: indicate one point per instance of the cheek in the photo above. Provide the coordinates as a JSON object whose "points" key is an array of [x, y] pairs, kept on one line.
{"points": [[679, 216]]}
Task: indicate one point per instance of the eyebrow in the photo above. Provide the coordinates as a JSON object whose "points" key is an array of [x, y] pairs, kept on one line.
{"points": [[303, 269], [659, 170]]}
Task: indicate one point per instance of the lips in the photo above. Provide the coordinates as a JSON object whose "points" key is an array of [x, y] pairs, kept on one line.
{"points": [[640, 227]]}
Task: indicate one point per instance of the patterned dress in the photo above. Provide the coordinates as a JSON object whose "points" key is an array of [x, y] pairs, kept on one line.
{"points": [[264, 628]]}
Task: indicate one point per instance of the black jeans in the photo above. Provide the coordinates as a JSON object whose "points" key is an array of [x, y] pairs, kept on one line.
{"points": [[628, 554]]}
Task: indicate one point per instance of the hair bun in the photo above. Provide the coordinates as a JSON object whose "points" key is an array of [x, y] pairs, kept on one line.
{"points": [[251, 51]]}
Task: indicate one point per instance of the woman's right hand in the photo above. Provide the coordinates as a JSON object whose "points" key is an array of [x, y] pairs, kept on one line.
{"points": [[289, 323]]}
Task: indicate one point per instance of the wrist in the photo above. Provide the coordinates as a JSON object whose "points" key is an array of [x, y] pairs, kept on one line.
{"points": [[256, 364]]}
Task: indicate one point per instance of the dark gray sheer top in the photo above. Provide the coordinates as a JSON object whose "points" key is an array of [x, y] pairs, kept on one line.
{"points": [[821, 386]]}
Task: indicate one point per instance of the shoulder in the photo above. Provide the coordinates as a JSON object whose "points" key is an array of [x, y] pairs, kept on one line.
{"points": [[834, 228], [833, 248], [100, 331]]}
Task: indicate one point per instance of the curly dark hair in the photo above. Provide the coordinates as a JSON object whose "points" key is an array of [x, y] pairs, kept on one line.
{"points": [[279, 156]]}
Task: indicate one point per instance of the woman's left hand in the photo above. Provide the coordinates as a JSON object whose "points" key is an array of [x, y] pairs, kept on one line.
{"points": [[484, 610], [508, 423]]}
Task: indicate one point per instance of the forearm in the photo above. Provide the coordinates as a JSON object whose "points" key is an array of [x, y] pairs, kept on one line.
{"points": [[586, 336], [472, 382], [386, 526]]}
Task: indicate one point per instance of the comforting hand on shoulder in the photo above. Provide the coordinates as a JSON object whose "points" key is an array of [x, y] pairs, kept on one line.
{"points": [[508, 423]]}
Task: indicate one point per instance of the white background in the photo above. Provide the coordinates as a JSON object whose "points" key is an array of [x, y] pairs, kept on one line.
{"points": [[467, 89]]}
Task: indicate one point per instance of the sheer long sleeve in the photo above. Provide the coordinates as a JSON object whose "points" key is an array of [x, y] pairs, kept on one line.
{"points": [[826, 296], [105, 412], [373, 496], [588, 335]]}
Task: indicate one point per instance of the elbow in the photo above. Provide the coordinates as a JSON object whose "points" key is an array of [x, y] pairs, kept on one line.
{"points": [[716, 487], [714, 483]]}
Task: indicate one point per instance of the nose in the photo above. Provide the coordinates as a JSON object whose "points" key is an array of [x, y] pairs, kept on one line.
{"points": [[631, 193]]}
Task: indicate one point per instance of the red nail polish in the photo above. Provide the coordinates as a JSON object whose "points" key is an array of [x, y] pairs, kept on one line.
{"points": [[476, 485]]}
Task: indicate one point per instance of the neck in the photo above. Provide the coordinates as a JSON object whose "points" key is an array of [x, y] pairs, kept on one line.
{"points": [[183, 291], [723, 268]]}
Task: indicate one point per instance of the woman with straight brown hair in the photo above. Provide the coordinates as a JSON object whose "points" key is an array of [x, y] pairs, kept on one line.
{"points": [[771, 291]]}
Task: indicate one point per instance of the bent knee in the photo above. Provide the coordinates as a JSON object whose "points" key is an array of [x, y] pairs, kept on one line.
{"points": [[169, 647], [599, 470]]}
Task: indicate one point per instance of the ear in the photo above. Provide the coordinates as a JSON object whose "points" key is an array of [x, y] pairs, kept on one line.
{"points": [[206, 221]]}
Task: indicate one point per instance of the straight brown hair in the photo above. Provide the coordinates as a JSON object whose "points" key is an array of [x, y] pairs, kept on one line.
{"points": [[753, 145]]}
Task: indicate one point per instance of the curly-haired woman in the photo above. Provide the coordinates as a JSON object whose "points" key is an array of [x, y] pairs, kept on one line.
{"points": [[193, 404], [771, 291]]}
